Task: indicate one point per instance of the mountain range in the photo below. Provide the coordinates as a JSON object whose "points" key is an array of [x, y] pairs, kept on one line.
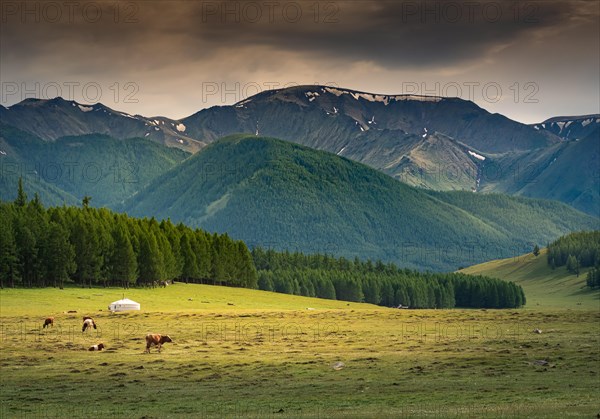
{"points": [[426, 141], [358, 174], [50, 119]]}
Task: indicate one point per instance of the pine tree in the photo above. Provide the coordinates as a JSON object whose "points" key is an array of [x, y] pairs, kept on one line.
{"points": [[150, 263], [246, 272], [59, 255], [27, 250], [9, 272], [189, 269], [21, 200], [169, 261], [204, 254], [123, 263], [536, 250], [593, 278], [573, 265], [87, 251]]}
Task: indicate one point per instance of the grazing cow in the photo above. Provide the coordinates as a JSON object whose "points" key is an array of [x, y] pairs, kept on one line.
{"points": [[88, 323], [49, 322], [155, 339], [97, 347]]}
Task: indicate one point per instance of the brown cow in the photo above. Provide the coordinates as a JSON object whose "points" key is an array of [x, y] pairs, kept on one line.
{"points": [[88, 322], [97, 347], [49, 322], [156, 339]]}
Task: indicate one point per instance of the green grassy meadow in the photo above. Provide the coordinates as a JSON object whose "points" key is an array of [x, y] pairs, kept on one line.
{"points": [[544, 287], [255, 354]]}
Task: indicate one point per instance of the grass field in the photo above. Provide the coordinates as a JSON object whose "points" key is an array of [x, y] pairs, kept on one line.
{"points": [[253, 354], [544, 287]]}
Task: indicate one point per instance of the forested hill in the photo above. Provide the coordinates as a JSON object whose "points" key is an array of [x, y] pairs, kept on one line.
{"points": [[96, 247], [68, 168], [278, 194], [576, 251]]}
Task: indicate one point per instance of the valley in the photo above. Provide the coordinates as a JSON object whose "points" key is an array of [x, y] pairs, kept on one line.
{"points": [[250, 354]]}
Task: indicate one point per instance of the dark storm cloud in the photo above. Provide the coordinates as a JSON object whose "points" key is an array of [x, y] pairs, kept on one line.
{"points": [[171, 50], [392, 34]]}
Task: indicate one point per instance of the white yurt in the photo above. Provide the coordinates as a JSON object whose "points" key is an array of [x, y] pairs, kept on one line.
{"points": [[124, 305]]}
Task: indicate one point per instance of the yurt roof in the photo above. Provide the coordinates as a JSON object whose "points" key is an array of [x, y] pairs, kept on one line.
{"points": [[124, 301]]}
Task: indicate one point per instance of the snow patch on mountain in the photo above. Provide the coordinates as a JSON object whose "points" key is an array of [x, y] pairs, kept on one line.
{"points": [[242, 103], [385, 99], [477, 156], [85, 108], [126, 115], [311, 95], [180, 127]]}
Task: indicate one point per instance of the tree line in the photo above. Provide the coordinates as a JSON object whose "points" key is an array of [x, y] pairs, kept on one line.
{"points": [[89, 246], [325, 276], [575, 251], [96, 247]]}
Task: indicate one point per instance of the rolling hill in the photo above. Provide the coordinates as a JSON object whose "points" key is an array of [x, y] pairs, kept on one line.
{"points": [[543, 286], [64, 170], [286, 196]]}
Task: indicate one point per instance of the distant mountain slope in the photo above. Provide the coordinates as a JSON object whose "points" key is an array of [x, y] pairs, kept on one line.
{"points": [[543, 286], [571, 127], [283, 195], [65, 170], [424, 141], [14, 164], [54, 118], [568, 172], [324, 117], [430, 142]]}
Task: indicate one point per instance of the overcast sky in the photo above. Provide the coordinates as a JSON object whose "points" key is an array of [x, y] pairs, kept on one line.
{"points": [[529, 60]]}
